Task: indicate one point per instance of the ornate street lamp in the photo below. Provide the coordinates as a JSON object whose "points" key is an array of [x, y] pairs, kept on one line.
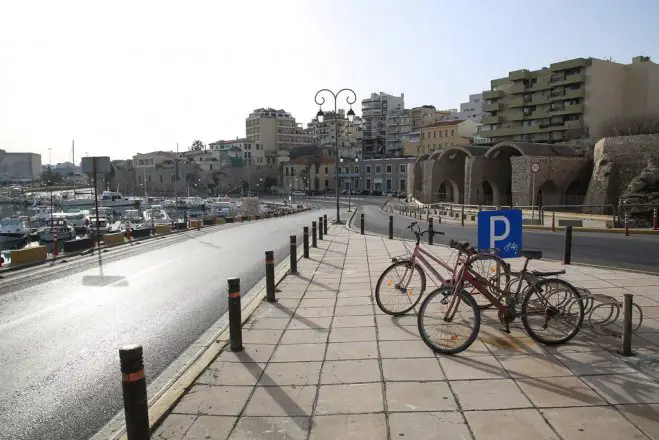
{"points": [[350, 99]]}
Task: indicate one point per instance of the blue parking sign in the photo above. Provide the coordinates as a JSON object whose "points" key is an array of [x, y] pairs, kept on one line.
{"points": [[501, 230]]}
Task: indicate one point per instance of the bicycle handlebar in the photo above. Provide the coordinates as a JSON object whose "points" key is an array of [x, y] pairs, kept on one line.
{"points": [[418, 233]]}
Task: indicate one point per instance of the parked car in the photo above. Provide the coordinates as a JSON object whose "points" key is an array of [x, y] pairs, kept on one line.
{"points": [[376, 193], [388, 194], [365, 192]]}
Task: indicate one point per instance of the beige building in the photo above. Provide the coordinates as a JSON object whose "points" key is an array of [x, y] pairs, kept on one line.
{"points": [[275, 130], [445, 134], [569, 99], [305, 173], [150, 160]]}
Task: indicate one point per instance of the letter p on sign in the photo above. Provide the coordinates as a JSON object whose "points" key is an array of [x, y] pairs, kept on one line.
{"points": [[501, 230]]}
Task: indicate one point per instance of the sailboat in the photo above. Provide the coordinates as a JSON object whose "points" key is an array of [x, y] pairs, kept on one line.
{"points": [[75, 202]]}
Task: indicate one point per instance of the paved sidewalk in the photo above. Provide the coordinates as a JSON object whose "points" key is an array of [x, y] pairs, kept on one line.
{"points": [[324, 363]]}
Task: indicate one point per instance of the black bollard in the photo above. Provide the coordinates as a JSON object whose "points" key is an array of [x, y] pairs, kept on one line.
{"points": [[235, 324], [430, 231], [305, 241], [293, 255], [133, 383], [325, 224], [362, 224], [270, 276], [462, 215], [391, 227], [628, 301], [314, 230], [567, 254], [320, 228]]}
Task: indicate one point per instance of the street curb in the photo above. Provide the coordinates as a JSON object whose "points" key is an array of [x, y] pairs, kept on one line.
{"points": [[169, 395]]}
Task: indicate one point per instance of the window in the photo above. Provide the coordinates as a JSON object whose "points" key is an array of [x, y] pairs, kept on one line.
{"points": [[326, 183], [292, 171], [356, 169], [368, 169], [378, 169], [388, 169], [402, 168], [452, 132], [368, 184], [440, 133], [402, 185], [446, 133], [434, 134], [388, 184], [326, 170]]}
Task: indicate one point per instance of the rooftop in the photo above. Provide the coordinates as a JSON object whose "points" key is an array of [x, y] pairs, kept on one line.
{"points": [[445, 123]]}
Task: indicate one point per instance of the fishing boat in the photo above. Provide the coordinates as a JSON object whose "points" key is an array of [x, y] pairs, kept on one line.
{"points": [[64, 231], [156, 215], [112, 199], [14, 231]]}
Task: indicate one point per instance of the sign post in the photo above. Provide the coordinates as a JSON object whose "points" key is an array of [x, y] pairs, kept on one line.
{"points": [[501, 230], [534, 169], [94, 165]]}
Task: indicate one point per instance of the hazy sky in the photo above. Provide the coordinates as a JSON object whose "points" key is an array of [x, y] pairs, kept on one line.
{"points": [[135, 76]]}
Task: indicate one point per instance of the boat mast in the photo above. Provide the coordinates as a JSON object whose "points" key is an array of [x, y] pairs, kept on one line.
{"points": [[73, 152]]}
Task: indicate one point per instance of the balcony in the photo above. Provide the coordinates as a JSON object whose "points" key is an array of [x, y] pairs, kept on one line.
{"points": [[518, 74], [517, 89], [492, 94], [563, 80], [569, 64], [568, 94], [491, 120], [575, 109], [571, 125], [493, 107]]}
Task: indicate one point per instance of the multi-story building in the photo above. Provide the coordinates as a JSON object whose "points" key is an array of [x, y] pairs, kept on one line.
{"points": [[387, 174], [25, 167], [374, 114], [472, 109], [445, 134], [253, 153], [398, 128], [150, 160], [350, 134], [568, 99], [304, 173], [275, 130]]}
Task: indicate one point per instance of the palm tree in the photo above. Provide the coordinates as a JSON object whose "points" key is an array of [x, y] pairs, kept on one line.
{"points": [[197, 146]]}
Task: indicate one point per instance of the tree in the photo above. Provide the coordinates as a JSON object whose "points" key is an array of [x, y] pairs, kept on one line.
{"points": [[631, 125], [51, 176], [197, 146]]}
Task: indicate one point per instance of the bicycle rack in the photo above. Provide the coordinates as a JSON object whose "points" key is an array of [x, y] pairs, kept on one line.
{"points": [[603, 311]]}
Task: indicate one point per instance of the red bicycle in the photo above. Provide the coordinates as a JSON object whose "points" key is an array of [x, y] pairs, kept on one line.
{"points": [[401, 286], [449, 320]]}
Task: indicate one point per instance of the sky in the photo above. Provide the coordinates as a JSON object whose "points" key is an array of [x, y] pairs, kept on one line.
{"points": [[124, 77]]}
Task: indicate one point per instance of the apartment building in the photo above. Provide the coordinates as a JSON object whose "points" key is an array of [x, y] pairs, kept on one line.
{"points": [[387, 174], [275, 130], [350, 134], [25, 167], [397, 129], [374, 114], [304, 173], [253, 153], [472, 109], [569, 99], [445, 134]]}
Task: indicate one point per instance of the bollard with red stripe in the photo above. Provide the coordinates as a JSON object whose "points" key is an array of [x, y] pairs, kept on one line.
{"points": [[654, 219], [128, 231], [235, 324], [55, 244], [553, 222], [133, 384]]}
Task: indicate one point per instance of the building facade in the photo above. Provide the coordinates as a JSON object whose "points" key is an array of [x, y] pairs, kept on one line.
{"points": [[309, 173], [253, 153], [569, 99], [275, 130], [386, 174], [24, 167], [350, 134], [472, 110], [374, 114], [445, 134]]}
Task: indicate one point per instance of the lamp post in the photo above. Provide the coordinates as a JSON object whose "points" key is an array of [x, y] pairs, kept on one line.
{"points": [[350, 99]]}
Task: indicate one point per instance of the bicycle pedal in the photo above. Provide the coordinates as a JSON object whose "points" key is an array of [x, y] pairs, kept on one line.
{"points": [[505, 330]]}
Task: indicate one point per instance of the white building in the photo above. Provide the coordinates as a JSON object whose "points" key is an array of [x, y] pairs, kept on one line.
{"points": [[374, 114], [253, 153], [350, 134], [398, 130], [473, 109], [20, 166]]}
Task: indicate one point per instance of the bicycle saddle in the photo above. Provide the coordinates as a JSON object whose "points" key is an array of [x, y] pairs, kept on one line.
{"points": [[531, 255]]}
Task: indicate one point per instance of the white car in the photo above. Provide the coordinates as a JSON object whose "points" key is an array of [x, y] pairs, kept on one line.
{"points": [[299, 193]]}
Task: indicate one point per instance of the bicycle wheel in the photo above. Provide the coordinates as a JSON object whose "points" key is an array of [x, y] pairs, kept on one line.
{"points": [[494, 269], [556, 302], [448, 335], [400, 287]]}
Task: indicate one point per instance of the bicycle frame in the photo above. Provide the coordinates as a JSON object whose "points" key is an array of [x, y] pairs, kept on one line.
{"points": [[421, 254]]}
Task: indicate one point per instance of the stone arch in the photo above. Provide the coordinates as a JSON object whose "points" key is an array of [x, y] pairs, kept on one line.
{"points": [[548, 194], [486, 193], [449, 167], [498, 171], [418, 177], [575, 193]]}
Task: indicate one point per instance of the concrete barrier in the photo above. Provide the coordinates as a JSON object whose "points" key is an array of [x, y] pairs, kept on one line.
{"points": [[221, 220], [77, 245], [140, 233], [570, 222], [209, 221], [181, 226], [251, 217], [163, 229], [29, 255], [113, 238]]}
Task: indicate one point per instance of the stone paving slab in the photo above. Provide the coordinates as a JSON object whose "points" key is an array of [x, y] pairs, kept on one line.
{"points": [[325, 363]]}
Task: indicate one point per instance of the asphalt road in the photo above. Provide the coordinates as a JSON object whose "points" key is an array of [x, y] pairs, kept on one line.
{"points": [[640, 252], [60, 335]]}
